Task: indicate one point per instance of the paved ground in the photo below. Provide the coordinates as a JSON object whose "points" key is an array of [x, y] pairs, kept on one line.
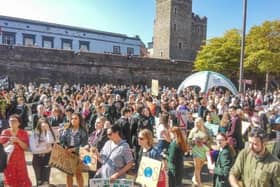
{"points": [[58, 178]]}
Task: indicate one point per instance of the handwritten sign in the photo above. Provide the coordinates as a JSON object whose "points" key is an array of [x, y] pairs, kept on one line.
{"points": [[148, 172], [106, 183], [155, 87], [89, 159], [63, 160]]}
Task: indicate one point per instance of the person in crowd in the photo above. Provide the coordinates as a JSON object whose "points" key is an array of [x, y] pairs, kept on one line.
{"points": [[124, 123], [199, 139], [22, 110], [223, 163], [56, 117], [202, 109], [145, 140], [40, 142], [234, 133], [224, 123], [162, 132], [15, 174], [72, 138], [175, 161], [116, 156], [222, 107], [255, 165], [97, 139], [39, 114]]}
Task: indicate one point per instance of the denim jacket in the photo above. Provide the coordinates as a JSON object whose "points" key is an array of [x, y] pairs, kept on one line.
{"points": [[80, 138]]}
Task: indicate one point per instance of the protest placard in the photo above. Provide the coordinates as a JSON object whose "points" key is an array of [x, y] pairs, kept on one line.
{"points": [[148, 172], [155, 87], [106, 183], [63, 160], [89, 159]]}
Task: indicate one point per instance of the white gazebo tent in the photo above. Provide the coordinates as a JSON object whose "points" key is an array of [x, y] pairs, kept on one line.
{"points": [[207, 80]]}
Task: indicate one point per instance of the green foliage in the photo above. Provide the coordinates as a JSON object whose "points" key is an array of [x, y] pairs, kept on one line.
{"points": [[263, 48], [221, 54]]}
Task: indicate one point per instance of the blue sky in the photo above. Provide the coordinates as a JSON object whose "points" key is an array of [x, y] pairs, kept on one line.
{"points": [[135, 17]]}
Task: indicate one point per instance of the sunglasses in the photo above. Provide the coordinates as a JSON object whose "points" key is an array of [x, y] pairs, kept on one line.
{"points": [[109, 134], [13, 120]]}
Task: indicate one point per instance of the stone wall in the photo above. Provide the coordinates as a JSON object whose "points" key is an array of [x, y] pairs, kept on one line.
{"points": [[25, 64]]}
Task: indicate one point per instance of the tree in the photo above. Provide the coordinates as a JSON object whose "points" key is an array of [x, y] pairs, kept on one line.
{"points": [[263, 49], [221, 54]]}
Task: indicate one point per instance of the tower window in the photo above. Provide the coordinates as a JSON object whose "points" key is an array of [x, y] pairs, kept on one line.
{"points": [[161, 53], [175, 27], [175, 11], [180, 45]]}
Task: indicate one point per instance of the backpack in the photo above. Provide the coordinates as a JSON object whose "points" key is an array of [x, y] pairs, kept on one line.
{"points": [[3, 158]]}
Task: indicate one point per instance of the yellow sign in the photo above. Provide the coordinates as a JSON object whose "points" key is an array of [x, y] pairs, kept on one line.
{"points": [[155, 87], [148, 172]]}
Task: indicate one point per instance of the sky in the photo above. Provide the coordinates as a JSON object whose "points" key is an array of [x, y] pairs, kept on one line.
{"points": [[136, 17]]}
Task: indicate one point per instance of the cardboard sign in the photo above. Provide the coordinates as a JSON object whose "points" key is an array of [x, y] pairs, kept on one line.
{"points": [[155, 87], [148, 172], [63, 160], [106, 183], [210, 161], [89, 159]]}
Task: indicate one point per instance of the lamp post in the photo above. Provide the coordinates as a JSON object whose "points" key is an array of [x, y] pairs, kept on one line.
{"points": [[242, 47]]}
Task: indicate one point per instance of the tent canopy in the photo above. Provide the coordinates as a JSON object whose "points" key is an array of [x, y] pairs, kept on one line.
{"points": [[207, 80]]}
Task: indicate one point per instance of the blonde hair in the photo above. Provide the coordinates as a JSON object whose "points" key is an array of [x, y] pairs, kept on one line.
{"points": [[223, 122], [147, 134], [197, 121]]}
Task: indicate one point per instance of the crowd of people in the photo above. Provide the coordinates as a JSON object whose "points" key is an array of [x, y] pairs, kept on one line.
{"points": [[122, 124]]}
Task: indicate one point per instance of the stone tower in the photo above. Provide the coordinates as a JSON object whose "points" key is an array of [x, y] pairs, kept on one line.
{"points": [[174, 34]]}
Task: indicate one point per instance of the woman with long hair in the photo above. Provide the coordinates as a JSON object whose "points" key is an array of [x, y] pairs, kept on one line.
{"points": [[199, 138], [72, 138], [224, 123], [15, 173], [162, 132], [175, 161], [41, 141]]}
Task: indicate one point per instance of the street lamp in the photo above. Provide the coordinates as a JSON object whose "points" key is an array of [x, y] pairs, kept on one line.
{"points": [[242, 47]]}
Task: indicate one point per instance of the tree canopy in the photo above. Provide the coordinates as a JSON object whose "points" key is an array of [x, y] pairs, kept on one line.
{"points": [[263, 48], [221, 54], [262, 51]]}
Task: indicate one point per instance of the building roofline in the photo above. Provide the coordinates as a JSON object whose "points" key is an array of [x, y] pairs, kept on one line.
{"points": [[29, 21]]}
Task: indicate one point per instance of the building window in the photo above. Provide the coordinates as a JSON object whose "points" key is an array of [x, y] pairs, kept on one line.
{"points": [[175, 27], [116, 49], [47, 42], [84, 45], [130, 51], [9, 38], [161, 53], [175, 11], [28, 39], [180, 45], [66, 44]]}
